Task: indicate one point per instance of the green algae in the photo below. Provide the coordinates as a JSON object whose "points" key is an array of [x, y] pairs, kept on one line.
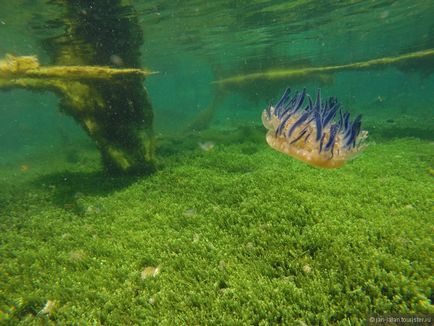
{"points": [[240, 234]]}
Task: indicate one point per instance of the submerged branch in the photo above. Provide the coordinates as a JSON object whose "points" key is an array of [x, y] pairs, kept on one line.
{"points": [[28, 67], [303, 72], [97, 98]]}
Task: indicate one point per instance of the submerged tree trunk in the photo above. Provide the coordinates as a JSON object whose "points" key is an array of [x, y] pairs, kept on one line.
{"points": [[117, 114]]}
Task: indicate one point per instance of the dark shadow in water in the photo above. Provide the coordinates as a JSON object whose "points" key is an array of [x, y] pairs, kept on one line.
{"points": [[70, 187]]}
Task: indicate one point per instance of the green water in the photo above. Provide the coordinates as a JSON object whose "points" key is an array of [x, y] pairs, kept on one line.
{"points": [[239, 234]]}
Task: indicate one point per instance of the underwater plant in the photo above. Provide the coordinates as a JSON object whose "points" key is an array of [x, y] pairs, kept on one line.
{"points": [[311, 134]]}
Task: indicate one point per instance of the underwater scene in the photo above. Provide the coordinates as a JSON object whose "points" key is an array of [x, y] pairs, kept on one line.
{"points": [[221, 162]]}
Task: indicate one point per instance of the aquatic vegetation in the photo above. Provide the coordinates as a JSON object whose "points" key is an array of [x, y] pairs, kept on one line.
{"points": [[190, 212], [77, 256], [242, 258], [310, 134]]}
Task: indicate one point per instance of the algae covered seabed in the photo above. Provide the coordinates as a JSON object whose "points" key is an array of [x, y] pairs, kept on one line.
{"points": [[239, 234]]}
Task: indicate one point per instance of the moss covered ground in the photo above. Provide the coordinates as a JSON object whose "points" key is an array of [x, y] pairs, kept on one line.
{"points": [[240, 234]]}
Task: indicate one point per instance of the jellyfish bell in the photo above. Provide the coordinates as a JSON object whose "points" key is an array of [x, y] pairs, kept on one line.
{"points": [[309, 130]]}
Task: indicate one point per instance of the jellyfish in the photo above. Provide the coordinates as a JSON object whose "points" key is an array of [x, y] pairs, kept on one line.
{"points": [[318, 133]]}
